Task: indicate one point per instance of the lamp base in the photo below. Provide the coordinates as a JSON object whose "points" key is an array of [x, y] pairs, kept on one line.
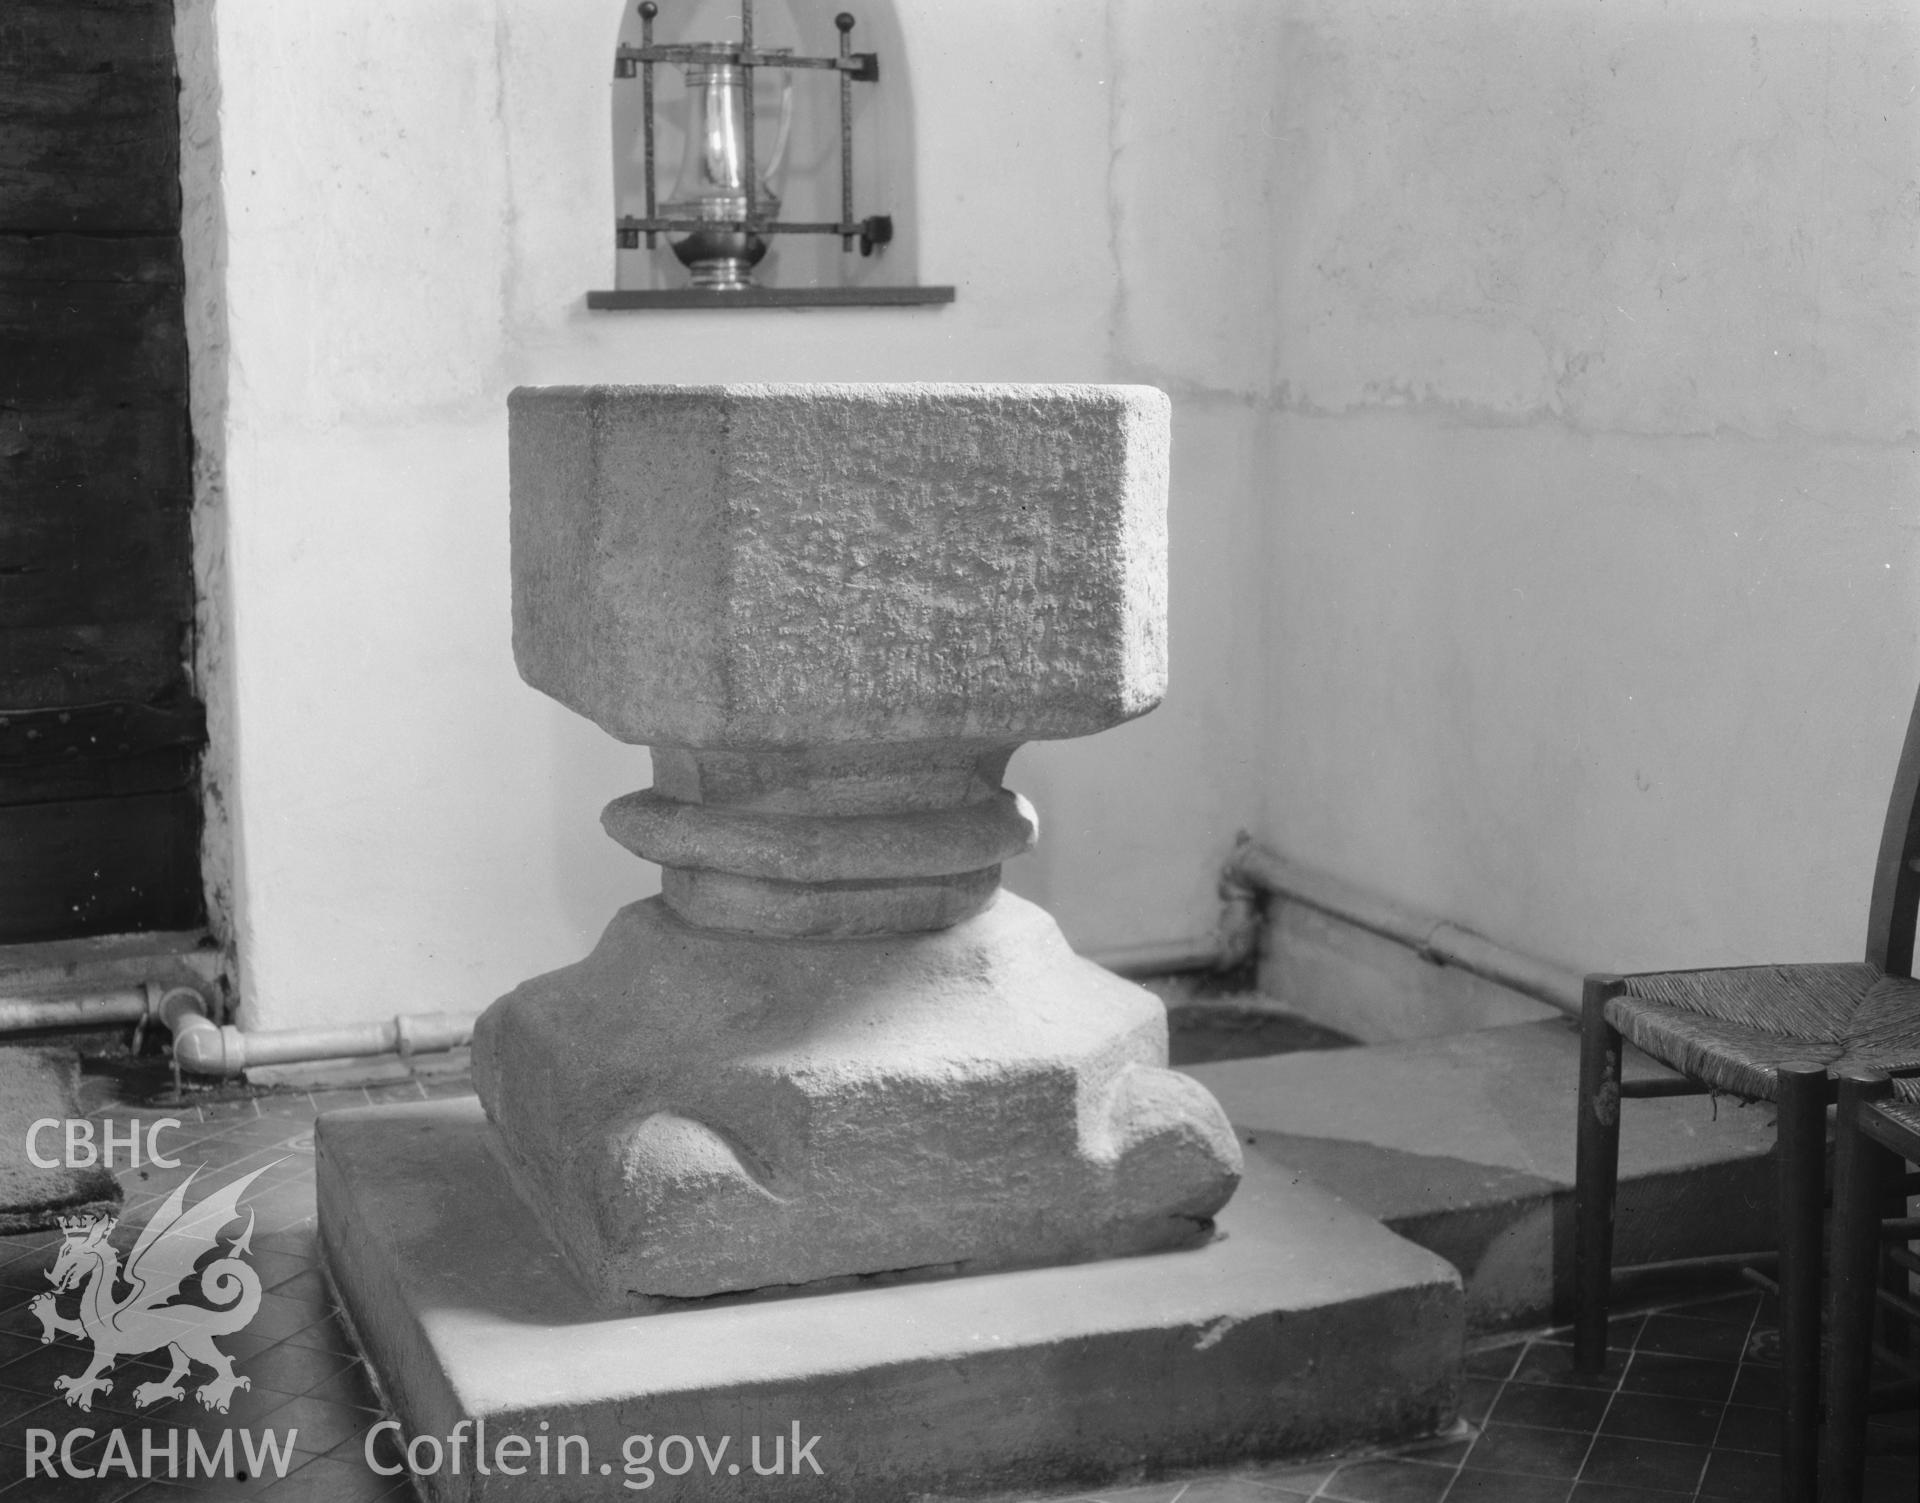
{"points": [[724, 274], [721, 260]]}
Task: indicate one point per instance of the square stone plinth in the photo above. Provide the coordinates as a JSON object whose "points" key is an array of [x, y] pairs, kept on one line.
{"points": [[1303, 1327]]}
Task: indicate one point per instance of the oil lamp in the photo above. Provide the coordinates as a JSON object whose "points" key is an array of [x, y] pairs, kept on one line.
{"points": [[725, 204], [716, 187]]}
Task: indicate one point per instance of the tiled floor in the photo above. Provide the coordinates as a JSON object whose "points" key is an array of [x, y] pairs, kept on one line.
{"points": [[303, 1372], [1682, 1415]]}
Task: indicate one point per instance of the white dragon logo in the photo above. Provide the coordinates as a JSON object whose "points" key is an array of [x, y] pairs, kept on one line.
{"points": [[144, 1320]]}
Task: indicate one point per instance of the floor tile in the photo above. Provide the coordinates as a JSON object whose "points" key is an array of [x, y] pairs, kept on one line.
{"points": [[1474, 1486], [1551, 1407], [1235, 1490], [1745, 1427], [12, 1351], [1538, 1453], [399, 1091], [1683, 1336], [27, 1276], [324, 1480], [35, 1372], [285, 1104], [330, 1101], [230, 1111], [20, 1328], [244, 1346], [307, 1283], [1659, 1416], [315, 1425], [17, 1408], [1741, 1476], [1388, 1482], [1494, 1362], [352, 1388], [1602, 1492], [1682, 1377], [279, 1318], [303, 1241], [1738, 1308], [277, 1269], [1294, 1476], [35, 1245], [1477, 1396], [1757, 1385], [1441, 1450], [295, 1369], [65, 1489], [326, 1334], [1625, 1462], [1552, 1362]]}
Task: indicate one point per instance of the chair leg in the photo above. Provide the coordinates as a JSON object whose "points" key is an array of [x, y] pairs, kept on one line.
{"points": [[1802, 1147], [1596, 1174], [1896, 1332], [1859, 1165]]}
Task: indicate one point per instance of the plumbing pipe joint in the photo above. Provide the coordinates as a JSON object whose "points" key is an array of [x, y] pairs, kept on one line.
{"points": [[203, 1047]]}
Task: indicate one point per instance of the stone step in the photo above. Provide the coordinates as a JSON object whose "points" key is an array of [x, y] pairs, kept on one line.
{"points": [[1464, 1144], [1302, 1328]]}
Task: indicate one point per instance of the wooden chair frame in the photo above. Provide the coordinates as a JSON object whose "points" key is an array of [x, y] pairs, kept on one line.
{"points": [[1871, 1150], [1802, 1093]]}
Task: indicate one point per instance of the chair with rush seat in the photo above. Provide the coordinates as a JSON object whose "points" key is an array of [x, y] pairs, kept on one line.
{"points": [[1761, 1033]]}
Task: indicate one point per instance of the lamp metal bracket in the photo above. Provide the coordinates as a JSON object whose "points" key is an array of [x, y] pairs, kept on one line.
{"points": [[852, 67]]}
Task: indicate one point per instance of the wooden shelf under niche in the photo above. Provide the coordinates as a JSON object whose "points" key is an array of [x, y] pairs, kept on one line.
{"points": [[770, 297]]}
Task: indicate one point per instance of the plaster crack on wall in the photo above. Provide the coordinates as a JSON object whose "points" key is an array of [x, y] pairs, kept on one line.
{"points": [[510, 278], [1119, 316]]}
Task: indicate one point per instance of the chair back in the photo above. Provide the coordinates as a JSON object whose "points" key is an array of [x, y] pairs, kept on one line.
{"points": [[1896, 883]]}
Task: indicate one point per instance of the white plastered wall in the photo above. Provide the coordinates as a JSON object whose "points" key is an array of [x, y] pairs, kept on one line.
{"points": [[1544, 488]]}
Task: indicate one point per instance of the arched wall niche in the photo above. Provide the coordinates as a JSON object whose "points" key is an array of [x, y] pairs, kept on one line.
{"points": [[885, 177]]}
